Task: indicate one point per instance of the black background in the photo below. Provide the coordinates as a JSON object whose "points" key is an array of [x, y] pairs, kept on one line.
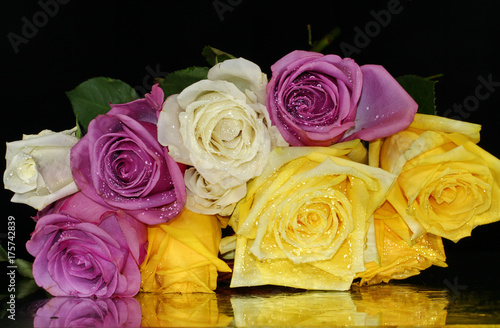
{"points": [[137, 40]]}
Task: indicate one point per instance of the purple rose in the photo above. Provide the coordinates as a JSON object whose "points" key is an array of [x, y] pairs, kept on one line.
{"points": [[120, 163], [318, 100], [81, 250], [89, 312]]}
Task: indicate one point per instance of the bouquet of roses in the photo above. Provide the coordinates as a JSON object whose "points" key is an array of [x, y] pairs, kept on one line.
{"points": [[324, 175]]}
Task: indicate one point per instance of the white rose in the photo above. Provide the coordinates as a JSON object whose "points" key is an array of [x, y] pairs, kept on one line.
{"points": [[210, 198], [221, 127], [38, 168]]}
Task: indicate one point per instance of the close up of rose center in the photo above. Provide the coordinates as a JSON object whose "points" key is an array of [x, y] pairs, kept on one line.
{"points": [[27, 170], [307, 99], [314, 219], [315, 225], [128, 168], [227, 131]]}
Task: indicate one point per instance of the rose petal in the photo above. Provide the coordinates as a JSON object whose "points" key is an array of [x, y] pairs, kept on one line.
{"points": [[144, 109], [384, 107], [169, 131], [242, 73]]}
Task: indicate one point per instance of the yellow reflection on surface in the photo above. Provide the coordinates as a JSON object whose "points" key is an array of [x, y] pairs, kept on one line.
{"points": [[311, 308], [379, 305], [402, 304], [181, 310]]}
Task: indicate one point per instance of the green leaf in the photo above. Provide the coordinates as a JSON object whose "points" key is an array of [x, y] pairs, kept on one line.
{"points": [[79, 132], [215, 56], [26, 288], [325, 41], [177, 81], [25, 268], [93, 97], [421, 90], [3, 254]]}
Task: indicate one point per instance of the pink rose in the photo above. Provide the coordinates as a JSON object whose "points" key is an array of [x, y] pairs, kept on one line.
{"points": [[318, 100], [82, 249], [119, 162]]}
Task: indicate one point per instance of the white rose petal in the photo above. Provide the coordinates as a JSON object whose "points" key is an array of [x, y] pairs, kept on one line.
{"points": [[206, 198], [242, 73], [169, 133], [38, 168]]}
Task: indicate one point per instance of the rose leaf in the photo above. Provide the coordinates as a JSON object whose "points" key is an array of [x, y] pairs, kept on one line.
{"points": [[177, 81], [25, 268], [3, 254], [215, 56], [421, 90], [93, 97]]}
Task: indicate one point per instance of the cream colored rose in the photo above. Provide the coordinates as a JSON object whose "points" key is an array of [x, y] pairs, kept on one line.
{"points": [[38, 168], [447, 185], [221, 127], [303, 221], [210, 198]]}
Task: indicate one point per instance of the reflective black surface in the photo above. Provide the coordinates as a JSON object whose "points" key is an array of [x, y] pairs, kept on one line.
{"points": [[393, 304], [466, 293]]}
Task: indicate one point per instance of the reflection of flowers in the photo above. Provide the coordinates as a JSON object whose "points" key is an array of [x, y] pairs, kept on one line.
{"points": [[181, 310], [403, 305], [447, 185], [307, 309], [87, 250], [89, 312], [397, 259], [305, 217], [120, 163], [38, 168], [182, 255]]}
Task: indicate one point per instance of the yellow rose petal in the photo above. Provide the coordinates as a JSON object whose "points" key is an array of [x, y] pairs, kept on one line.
{"points": [[183, 255], [447, 184], [442, 124], [303, 222]]}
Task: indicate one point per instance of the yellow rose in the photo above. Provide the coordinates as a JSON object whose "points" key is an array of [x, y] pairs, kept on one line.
{"points": [[182, 255], [397, 259], [447, 185], [181, 310], [303, 221]]}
